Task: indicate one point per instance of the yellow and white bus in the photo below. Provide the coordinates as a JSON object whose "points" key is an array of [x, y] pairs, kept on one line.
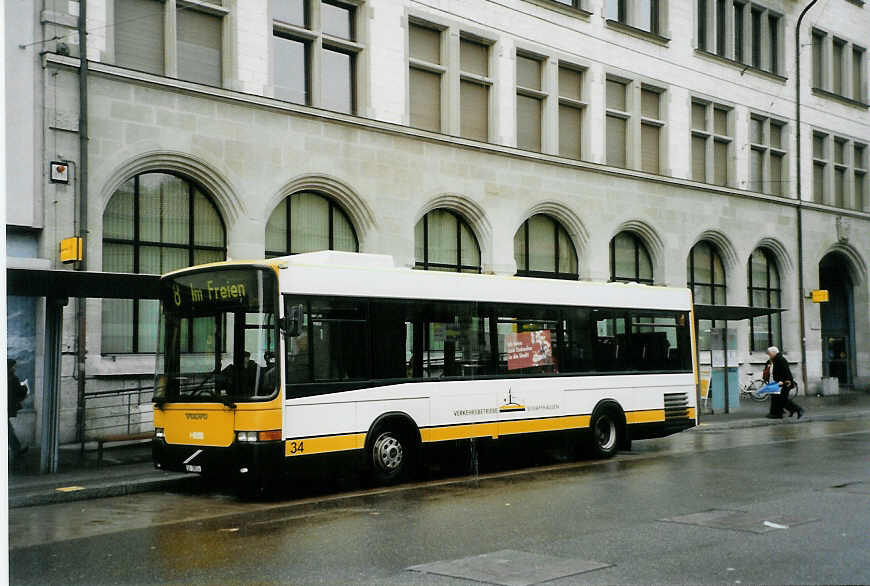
{"points": [[263, 365]]}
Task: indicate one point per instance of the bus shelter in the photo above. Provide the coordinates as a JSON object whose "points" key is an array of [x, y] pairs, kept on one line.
{"points": [[56, 287], [724, 314]]}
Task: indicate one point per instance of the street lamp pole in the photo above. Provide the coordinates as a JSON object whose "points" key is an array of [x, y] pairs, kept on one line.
{"points": [[800, 228]]}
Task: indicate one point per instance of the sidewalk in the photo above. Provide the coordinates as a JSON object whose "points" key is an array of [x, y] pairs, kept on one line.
{"points": [[126, 469], [846, 405]]}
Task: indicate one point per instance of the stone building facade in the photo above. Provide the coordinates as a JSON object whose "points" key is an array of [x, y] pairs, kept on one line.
{"points": [[633, 128]]}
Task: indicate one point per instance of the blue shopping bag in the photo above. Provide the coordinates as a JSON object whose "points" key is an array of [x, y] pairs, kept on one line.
{"points": [[769, 389]]}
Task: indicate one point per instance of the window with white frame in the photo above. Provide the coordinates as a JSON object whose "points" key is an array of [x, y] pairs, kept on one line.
{"points": [[314, 52], [711, 137], [474, 84], [646, 15], [618, 118], [839, 171], [193, 53], [839, 66], [425, 76], [741, 31], [651, 125], [634, 125], [767, 173], [860, 197], [820, 167], [530, 101], [571, 110]]}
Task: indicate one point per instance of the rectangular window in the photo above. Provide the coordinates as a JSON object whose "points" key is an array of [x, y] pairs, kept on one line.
{"points": [[756, 37], [337, 20], [139, 29], [721, 29], [425, 77], [860, 186], [819, 167], [291, 70], [291, 12], [199, 46], [702, 24], [528, 123], [857, 77], [425, 99], [474, 89], [711, 138], [773, 43], [337, 81], [616, 137], [617, 123], [767, 157], [530, 100], [839, 186], [738, 31], [837, 67], [571, 110], [818, 59], [650, 131]]}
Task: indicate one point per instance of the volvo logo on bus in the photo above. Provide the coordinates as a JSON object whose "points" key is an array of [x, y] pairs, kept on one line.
{"points": [[196, 416]]}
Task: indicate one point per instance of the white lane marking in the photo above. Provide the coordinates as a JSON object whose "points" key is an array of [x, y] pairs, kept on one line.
{"points": [[192, 456]]}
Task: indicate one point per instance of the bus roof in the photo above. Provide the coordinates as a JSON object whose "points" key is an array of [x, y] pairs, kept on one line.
{"points": [[350, 274]]}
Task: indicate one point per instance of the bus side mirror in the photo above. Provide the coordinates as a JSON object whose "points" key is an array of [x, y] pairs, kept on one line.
{"points": [[292, 322]]}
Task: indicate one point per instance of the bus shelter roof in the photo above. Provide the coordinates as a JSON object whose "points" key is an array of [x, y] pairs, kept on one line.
{"points": [[732, 312], [91, 284]]}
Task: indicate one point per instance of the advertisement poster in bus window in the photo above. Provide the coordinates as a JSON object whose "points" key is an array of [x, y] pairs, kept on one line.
{"points": [[528, 349]]}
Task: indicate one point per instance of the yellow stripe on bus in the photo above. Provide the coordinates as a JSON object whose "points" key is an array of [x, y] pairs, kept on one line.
{"points": [[319, 445], [356, 441], [648, 416]]}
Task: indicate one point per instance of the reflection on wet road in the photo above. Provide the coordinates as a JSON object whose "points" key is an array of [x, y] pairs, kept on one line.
{"points": [[558, 507]]}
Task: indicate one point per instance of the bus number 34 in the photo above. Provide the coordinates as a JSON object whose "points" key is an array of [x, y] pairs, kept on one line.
{"points": [[296, 447]]}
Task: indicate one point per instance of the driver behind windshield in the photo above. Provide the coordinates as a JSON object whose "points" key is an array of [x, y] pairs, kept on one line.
{"points": [[247, 381]]}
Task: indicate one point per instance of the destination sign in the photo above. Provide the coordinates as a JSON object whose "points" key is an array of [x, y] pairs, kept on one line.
{"points": [[229, 289]]}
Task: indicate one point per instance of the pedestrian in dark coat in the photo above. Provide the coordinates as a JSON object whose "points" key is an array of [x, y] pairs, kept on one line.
{"points": [[15, 393], [781, 373]]}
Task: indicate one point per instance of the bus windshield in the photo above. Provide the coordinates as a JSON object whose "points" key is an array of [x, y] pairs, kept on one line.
{"points": [[218, 337]]}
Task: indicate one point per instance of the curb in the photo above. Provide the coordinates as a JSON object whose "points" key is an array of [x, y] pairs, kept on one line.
{"points": [[763, 422], [54, 495]]}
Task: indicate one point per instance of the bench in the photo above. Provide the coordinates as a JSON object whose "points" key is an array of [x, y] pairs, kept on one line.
{"points": [[120, 437]]}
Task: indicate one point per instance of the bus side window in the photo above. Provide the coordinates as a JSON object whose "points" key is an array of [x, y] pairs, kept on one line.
{"points": [[298, 363]]}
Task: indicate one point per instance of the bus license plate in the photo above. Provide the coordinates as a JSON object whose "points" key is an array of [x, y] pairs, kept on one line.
{"points": [[192, 468]]}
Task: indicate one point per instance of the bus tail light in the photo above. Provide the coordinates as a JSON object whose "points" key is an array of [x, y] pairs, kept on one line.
{"points": [[258, 436]]}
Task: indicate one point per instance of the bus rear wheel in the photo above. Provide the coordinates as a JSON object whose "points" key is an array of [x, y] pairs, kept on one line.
{"points": [[390, 456], [605, 434]]}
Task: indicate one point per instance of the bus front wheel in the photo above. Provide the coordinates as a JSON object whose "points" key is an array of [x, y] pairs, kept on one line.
{"points": [[389, 456], [604, 439]]}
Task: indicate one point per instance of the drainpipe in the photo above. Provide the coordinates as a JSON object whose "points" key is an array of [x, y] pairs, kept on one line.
{"points": [[800, 228], [81, 302]]}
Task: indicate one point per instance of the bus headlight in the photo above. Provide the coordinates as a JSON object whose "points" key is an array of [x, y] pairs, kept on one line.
{"points": [[158, 433]]}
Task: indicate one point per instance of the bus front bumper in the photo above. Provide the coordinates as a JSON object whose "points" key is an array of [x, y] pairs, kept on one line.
{"points": [[239, 458]]}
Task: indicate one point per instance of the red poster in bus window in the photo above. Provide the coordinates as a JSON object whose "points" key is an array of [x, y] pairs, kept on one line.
{"points": [[528, 349]]}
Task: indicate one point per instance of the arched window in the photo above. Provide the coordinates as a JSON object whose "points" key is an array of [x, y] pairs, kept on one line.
{"points": [[542, 248], [307, 222], [629, 259], [764, 291], [443, 241], [706, 279], [155, 223]]}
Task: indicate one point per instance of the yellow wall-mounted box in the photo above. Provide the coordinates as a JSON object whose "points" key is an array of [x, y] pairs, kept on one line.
{"points": [[71, 250], [819, 295]]}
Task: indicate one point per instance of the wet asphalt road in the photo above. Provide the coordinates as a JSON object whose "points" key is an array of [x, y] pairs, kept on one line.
{"points": [[609, 512]]}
